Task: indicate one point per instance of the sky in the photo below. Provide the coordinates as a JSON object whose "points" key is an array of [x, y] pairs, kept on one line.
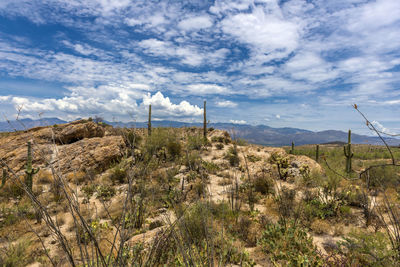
{"points": [[287, 63]]}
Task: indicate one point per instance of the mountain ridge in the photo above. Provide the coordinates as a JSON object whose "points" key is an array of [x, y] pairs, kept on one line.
{"points": [[257, 134]]}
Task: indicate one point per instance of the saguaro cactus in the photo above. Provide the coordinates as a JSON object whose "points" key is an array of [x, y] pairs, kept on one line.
{"points": [[205, 122], [149, 124], [28, 168], [348, 153], [292, 149], [317, 153]]}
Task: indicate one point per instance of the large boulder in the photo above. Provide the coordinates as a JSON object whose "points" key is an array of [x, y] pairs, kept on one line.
{"points": [[93, 153], [73, 146], [77, 131]]}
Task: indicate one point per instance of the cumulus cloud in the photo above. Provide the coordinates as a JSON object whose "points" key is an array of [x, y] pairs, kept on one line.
{"points": [[109, 104], [163, 106]]}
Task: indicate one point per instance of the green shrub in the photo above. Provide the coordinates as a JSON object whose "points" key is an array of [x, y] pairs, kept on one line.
{"points": [[232, 156], [174, 149], [15, 255], [286, 201], [241, 142], [367, 249], [210, 166], [89, 190], [105, 192], [264, 184], [289, 245], [253, 158], [195, 142], [219, 146], [118, 174]]}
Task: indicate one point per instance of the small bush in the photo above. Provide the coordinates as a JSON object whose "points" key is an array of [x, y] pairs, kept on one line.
{"points": [[174, 149], [118, 174], [264, 184], [232, 156], [219, 146], [285, 200], [289, 245], [105, 192], [253, 158], [195, 142], [320, 227], [241, 142], [367, 249], [16, 255], [89, 190]]}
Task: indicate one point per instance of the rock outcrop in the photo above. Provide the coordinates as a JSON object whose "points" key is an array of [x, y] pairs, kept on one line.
{"points": [[70, 147]]}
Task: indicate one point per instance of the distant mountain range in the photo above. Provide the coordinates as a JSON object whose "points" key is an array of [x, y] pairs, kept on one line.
{"points": [[260, 134]]}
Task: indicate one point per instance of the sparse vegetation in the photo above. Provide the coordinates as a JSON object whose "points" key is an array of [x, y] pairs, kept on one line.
{"points": [[190, 197]]}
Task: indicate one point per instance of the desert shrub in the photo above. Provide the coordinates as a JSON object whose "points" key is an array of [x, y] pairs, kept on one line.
{"points": [[289, 245], [232, 156], [174, 148], [241, 142], [386, 176], [353, 196], [12, 189], [131, 138], [219, 139], [320, 227], [193, 161], [367, 249], [118, 174], [15, 254], [285, 200], [156, 142], [105, 192], [210, 166], [195, 142], [253, 158], [196, 221], [264, 184], [219, 146], [317, 209], [311, 178], [89, 190], [246, 230]]}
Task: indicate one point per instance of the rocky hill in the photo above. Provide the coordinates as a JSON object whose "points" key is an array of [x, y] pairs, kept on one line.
{"points": [[114, 196]]}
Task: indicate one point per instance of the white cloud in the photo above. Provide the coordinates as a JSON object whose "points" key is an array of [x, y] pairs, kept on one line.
{"points": [[204, 89], [195, 23], [226, 104], [183, 109], [4, 98], [383, 129], [238, 121], [265, 30], [277, 116]]}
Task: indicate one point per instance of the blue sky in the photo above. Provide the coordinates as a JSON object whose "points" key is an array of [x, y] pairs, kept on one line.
{"points": [[291, 63]]}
